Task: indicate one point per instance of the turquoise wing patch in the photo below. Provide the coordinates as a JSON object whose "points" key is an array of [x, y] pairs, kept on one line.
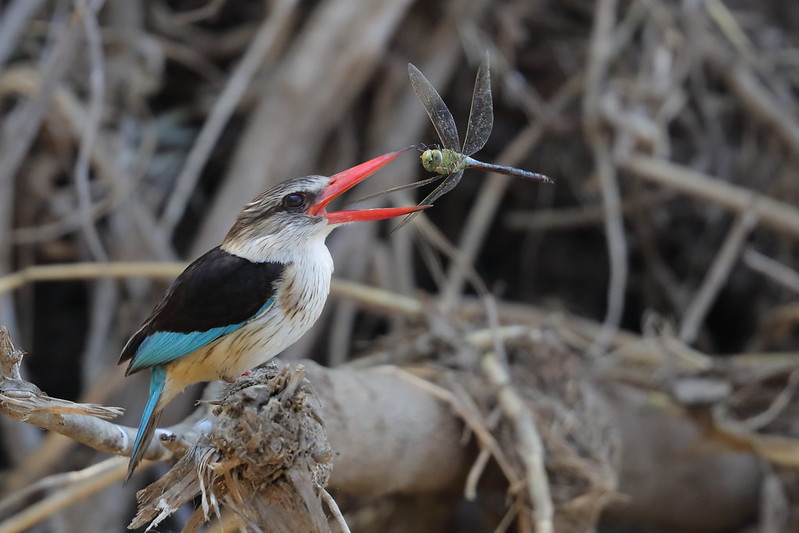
{"points": [[163, 347]]}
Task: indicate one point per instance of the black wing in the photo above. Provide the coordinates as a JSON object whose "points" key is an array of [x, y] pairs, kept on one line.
{"points": [[216, 291]]}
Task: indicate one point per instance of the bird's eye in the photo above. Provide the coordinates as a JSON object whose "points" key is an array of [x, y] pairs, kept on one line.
{"points": [[294, 201]]}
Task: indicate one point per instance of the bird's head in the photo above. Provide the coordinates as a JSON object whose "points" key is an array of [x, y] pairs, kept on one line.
{"points": [[294, 212]]}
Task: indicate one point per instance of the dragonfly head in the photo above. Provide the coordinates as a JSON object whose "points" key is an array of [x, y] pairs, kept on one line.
{"points": [[432, 160]]}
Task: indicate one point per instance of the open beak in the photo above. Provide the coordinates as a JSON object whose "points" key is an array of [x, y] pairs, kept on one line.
{"points": [[343, 181]]}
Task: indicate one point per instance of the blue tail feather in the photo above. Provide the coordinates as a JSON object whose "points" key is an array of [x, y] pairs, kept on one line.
{"points": [[149, 419]]}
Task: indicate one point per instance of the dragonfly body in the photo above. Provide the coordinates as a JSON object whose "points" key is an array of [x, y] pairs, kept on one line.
{"points": [[451, 160], [447, 162]]}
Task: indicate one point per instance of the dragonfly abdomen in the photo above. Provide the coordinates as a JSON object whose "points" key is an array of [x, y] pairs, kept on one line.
{"points": [[469, 162]]}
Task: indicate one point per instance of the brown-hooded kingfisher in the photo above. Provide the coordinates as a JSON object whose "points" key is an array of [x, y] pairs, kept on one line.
{"points": [[248, 299]]}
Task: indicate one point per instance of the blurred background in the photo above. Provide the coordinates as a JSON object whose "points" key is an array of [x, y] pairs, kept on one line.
{"points": [[135, 131]]}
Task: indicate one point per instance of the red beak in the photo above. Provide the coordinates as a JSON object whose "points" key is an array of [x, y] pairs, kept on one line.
{"points": [[343, 181]]}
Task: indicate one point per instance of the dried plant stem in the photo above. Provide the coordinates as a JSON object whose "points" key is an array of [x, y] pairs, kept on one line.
{"points": [[578, 217], [71, 487], [785, 276], [376, 299], [470, 488], [16, 137], [271, 30], [778, 405], [601, 51], [89, 271], [333, 506], [716, 276], [467, 411], [780, 216], [19, 131], [91, 125], [14, 20], [531, 448], [755, 96]]}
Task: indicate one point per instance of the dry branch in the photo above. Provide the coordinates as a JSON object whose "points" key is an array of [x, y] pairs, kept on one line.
{"points": [[601, 55], [772, 213], [355, 403], [530, 444], [75, 486], [26, 402]]}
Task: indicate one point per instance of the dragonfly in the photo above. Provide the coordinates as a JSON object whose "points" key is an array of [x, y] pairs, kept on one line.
{"points": [[449, 161]]}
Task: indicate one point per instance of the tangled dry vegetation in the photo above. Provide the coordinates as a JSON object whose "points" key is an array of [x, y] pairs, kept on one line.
{"points": [[620, 347]]}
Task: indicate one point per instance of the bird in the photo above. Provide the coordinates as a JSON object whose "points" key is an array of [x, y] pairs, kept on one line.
{"points": [[248, 299]]}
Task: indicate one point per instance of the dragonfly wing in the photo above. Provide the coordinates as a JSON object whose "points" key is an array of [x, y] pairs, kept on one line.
{"points": [[481, 115], [436, 108], [449, 183]]}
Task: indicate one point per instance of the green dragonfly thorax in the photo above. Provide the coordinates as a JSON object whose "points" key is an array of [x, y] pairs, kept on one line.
{"points": [[443, 161]]}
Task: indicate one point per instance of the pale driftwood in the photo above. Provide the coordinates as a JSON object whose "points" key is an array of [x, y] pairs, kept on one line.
{"points": [[269, 451], [376, 447], [418, 438], [390, 436]]}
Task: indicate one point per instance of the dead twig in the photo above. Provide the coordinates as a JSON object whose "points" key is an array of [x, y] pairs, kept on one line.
{"points": [[81, 422], [369, 297], [271, 30], [776, 271], [333, 506], [531, 448], [91, 125], [12, 23], [72, 487], [468, 412], [755, 96], [24, 401], [601, 53], [89, 271], [716, 276], [579, 217], [777, 215]]}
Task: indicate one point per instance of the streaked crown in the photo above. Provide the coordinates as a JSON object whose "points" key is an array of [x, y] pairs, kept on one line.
{"points": [[277, 220]]}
